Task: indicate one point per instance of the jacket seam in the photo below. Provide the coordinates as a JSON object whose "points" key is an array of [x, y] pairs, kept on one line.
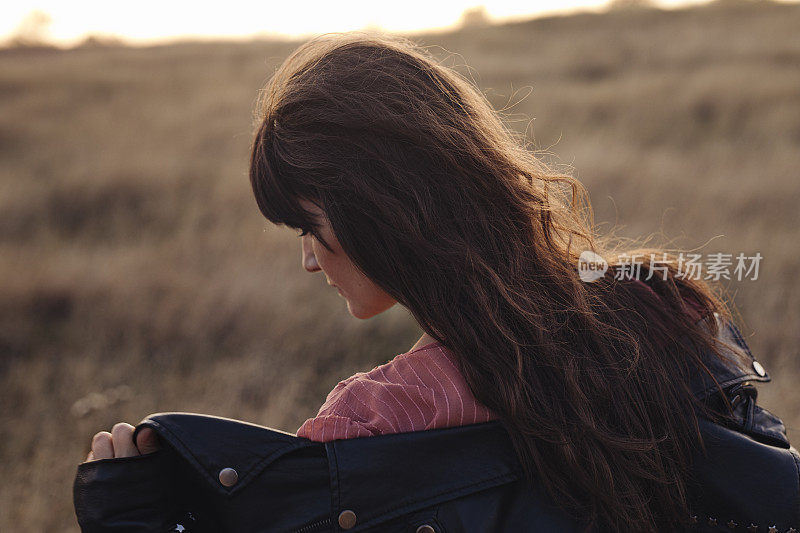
{"points": [[333, 472], [436, 518], [438, 498], [739, 339], [796, 458], [738, 379]]}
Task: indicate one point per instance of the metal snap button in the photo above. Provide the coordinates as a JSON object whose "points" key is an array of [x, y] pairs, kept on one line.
{"points": [[759, 369], [425, 528], [228, 477], [347, 519]]}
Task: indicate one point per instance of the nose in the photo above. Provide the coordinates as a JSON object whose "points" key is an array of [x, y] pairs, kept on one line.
{"points": [[309, 259]]}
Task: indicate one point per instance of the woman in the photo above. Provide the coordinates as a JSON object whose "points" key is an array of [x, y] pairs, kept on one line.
{"points": [[408, 188]]}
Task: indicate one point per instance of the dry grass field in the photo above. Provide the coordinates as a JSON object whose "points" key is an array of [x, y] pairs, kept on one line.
{"points": [[136, 274]]}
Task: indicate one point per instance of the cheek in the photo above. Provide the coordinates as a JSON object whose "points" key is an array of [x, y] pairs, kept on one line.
{"points": [[335, 265], [373, 302]]}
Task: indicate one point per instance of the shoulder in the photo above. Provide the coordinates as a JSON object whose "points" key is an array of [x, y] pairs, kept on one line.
{"points": [[417, 390], [404, 394], [390, 398]]}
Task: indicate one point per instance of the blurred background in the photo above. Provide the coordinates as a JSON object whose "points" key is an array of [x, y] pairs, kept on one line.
{"points": [[137, 275]]}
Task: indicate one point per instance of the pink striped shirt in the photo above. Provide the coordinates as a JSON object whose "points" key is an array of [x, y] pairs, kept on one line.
{"points": [[418, 390]]}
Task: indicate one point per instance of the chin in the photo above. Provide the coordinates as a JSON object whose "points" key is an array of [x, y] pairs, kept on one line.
{"points": [[364, 314], [360, 313]]}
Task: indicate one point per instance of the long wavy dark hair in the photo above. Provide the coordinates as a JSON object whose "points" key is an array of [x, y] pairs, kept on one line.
{"points": [[440, 203]]}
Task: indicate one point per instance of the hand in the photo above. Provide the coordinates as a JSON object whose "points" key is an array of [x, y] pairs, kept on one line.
{"points": [[119, 443]]}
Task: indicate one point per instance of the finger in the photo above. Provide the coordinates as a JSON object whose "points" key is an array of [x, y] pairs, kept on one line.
{"points": [[122, 435], [147, 440], [102, 448]]}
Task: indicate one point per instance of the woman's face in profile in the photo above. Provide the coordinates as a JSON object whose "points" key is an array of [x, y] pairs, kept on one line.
{"points": [[364, 298]]}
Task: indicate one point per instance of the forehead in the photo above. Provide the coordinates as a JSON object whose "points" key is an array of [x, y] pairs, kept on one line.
{"points": [[318, 216]]}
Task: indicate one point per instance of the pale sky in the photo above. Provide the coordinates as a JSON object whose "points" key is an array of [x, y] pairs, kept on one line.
{"points": [[148, 21]]}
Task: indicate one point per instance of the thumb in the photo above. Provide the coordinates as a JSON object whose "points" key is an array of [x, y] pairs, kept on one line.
{"points": [[147, 441]]}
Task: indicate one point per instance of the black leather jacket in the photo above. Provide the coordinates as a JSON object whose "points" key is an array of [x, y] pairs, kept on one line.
{"points": [[217, 475]]}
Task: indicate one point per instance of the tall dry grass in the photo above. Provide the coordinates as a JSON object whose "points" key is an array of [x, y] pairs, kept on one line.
{"points": [[138, 276]]}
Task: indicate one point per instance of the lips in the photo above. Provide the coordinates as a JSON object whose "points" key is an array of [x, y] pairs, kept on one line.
{"points": [[333, 285]]}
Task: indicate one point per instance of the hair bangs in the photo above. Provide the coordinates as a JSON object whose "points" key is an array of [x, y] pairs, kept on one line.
{"points": [[276, 192]]}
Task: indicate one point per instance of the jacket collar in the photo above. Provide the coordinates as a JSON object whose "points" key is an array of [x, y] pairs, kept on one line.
{"points": [[417, 469], [211, 443], [739, 365]]}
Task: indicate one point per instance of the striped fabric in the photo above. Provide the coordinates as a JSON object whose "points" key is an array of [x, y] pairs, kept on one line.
{"points": [[417, 390]]}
